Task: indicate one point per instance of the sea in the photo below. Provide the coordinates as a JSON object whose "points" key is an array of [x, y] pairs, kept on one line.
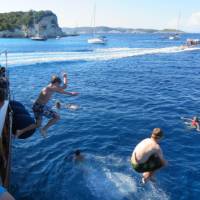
{"points": [[127, 87]]}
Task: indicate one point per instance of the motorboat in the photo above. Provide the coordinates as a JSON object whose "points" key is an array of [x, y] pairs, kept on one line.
{"points": [[97, 40], [39, 38], [174, 37], [192, 42]]}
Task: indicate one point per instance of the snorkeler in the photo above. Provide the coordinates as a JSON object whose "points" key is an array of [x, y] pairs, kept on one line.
{"points": [[40, 108], [147, 156], [192, 123]]}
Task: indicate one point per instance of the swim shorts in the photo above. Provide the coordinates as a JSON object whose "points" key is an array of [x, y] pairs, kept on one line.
{"points": [[43, 110], [151, 164]]}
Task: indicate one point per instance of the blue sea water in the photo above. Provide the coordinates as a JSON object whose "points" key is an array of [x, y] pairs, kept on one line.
{"points": [[127, 87]]}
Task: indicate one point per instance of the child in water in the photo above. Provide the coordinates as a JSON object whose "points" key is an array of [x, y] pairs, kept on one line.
{"points": [[75, 156], [192, 123]]}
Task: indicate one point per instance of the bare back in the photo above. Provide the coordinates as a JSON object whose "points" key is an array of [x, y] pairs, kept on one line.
{"points": [[144, 150]]}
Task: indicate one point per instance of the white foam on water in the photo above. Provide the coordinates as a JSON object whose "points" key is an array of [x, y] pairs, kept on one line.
{"points": [[98, 54], [124, 183], [107, 185], [153, 193], [107, 182]]}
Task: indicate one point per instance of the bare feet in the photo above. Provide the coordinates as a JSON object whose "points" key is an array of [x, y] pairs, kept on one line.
{"points": [[146, 176], [143, 181], [43, 132]]}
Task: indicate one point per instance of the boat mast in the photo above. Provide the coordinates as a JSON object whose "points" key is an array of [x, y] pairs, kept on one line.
{"points": [[178, 22], [93, 20]]}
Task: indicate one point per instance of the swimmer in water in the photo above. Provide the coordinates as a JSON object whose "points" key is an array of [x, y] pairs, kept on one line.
{"points": [[192, 123], [58, 105], [76, 156]]}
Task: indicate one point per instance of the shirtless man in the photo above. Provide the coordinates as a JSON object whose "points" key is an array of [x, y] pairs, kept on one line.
{"points": [[41, 109], [147, 156]]}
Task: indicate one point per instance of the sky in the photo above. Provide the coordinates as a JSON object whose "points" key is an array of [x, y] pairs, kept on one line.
{"points": [[157, 14]]}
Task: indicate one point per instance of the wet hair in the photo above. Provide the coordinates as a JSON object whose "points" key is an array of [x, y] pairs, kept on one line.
{"points": [[157, 133], [77, 152], [55, 79], [196, 118], [58, 104]]}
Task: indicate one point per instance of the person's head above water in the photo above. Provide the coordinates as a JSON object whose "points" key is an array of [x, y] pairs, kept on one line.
{"points": [[56, 80], [78, 156], [77, 152], [195, 118], [157, 133], [58, 104]]}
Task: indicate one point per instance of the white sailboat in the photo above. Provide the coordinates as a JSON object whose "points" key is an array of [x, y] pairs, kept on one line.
{"points": [[38, 37], [176, 36], [96, 39]]}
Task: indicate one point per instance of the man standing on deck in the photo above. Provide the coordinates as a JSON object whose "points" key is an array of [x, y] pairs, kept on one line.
{"points": [[41, 109], [147, 156]]}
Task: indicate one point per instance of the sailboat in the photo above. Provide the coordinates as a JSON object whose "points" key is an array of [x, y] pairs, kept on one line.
{"points": [[38, 37], [96, 39], [176, 36]]}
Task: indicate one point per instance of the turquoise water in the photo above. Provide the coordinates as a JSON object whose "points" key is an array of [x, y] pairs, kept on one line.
{"points": [[127, 87]]}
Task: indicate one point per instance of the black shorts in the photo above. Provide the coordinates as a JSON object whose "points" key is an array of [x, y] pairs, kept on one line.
{"points": [[151, 164], [43, 110]]}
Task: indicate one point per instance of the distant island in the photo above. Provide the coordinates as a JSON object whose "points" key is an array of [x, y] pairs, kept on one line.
{"points": [[104, 30], [45, 23], [29, 24]]}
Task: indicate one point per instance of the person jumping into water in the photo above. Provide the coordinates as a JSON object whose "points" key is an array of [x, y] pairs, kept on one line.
{"points": [[41, 109], [192, 123], [147, 156]]}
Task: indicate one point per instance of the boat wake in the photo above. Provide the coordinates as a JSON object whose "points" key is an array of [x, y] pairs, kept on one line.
{"points": [[16, 59]]}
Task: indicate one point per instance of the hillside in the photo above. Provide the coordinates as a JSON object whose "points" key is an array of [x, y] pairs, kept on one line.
{"points": [[104, 29], [28, 24]]}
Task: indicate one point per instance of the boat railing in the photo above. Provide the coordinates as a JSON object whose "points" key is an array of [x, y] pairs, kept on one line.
{"points": [[5, 124]]}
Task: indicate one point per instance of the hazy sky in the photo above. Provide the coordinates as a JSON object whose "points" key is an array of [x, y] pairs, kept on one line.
{"points": [[157, 14]]}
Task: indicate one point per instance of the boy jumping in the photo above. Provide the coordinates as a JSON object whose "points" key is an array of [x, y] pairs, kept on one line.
{"points": [[41, 109]]}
